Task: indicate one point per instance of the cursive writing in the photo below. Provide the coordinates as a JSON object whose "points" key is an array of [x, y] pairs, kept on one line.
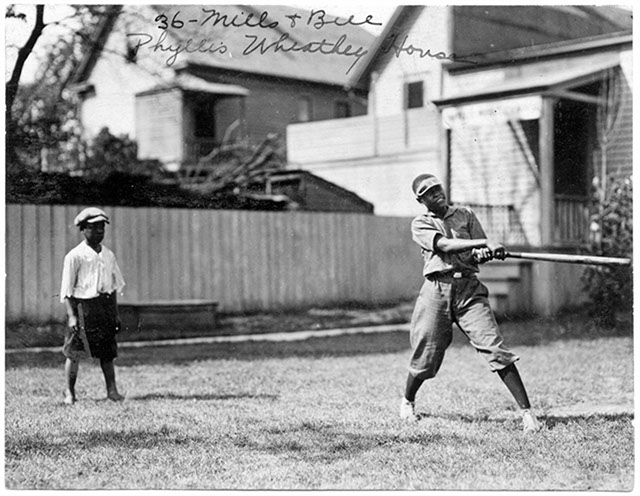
{"points": [[324, 47], [392, 44], [176, 48], [214, 17], [318, 19], [223, 19]]}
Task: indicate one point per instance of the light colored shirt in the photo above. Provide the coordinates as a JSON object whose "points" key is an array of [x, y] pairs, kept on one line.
{"points": [[87, 273], [458, 222]]}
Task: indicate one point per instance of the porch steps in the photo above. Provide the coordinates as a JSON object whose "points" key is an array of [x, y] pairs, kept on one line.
{"points": [[509, 286]]}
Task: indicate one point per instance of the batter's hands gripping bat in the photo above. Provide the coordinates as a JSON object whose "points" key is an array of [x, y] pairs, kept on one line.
{"points": [[576, 259]]}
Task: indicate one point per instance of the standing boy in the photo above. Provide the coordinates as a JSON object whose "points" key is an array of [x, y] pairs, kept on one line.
{"points": [[453, 243], [90, 280]]}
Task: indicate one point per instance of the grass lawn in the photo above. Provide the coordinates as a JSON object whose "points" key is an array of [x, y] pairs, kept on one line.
{"points": [[322, 414]]}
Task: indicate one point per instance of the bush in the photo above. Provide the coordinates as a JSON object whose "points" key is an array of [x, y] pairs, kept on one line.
{"points": [[119, 189], [610, 288]]}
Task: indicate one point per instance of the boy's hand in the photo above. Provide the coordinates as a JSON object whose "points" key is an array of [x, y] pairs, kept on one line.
{"points": [[481, 255], [72, 321], [497, 250]]}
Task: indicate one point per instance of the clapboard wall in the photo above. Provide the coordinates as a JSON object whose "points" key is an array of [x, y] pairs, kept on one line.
{"points": [[245, 260]]}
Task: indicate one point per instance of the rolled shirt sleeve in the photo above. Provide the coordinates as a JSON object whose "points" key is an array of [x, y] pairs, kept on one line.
{"points": [[424, 233], [69, 275]]}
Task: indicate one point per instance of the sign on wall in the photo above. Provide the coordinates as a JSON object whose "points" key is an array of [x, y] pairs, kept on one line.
{"points": [[492, 112]]}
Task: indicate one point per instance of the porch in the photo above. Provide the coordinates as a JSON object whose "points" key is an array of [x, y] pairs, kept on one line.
{"points": [[503, 223], [362, 137]]}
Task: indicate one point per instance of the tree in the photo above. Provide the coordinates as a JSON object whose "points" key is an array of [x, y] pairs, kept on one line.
{"points": [[610, 289], [11, 87], [41, 115]]}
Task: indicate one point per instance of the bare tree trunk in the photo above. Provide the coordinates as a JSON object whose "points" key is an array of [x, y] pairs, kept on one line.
{"points": [[11, 88]]}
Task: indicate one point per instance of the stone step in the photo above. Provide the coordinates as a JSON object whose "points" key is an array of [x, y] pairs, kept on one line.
{"points": [[499, 304], [500, 287], [500, 270]]}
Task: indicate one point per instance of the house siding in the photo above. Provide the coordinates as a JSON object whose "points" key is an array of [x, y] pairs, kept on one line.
{"points": [[384, 181], [160, 134], [620, 150], [272, 104], [489, 167], [424, 31], [376, 158], [116, 81]]}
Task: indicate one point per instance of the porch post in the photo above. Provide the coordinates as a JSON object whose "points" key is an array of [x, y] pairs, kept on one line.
{"points": [[547, 197]]}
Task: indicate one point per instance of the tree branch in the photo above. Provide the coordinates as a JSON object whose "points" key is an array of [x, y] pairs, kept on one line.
{"points": [[11, 88]]}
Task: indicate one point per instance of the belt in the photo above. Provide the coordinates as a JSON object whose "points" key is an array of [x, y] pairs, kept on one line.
{"points": [[449, 275]]}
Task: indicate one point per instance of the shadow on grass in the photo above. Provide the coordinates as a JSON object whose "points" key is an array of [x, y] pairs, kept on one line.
{"points": [[549, 421], [531, 332], [552, 421], [65, 444], [321, 442], [201, 397]]}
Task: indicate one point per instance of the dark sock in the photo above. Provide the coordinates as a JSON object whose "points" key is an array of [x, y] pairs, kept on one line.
{"points": [[412, 387], [511, 377]]}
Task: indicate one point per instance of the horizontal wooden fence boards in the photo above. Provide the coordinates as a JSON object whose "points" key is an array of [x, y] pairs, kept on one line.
{"points": [[244, 260]]}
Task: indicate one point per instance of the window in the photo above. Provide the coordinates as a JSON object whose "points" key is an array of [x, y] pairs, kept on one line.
{"points": [[415, 95], [341, 109], [305, 111]]}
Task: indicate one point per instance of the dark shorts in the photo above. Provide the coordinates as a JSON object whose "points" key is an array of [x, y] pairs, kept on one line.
{"points": [[442, 302], [95, 335]]}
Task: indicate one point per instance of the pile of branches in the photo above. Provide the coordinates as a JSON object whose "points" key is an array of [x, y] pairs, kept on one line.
{"points": [[234, 166]]}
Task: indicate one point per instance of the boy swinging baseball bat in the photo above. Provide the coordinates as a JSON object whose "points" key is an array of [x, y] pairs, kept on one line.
{"points": [[453, 243]]}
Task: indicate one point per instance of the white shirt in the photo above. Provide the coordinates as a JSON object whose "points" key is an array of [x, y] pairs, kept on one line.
{"points": [[87, 273]]}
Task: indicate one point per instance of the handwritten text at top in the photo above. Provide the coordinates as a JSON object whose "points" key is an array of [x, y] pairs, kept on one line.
{"points": [[211, 17]]}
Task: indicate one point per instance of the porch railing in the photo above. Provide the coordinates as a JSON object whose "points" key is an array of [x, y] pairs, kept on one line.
{"points": [[500, 222], [571, 224]]}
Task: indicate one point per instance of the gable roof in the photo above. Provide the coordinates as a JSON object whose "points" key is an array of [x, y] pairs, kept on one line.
{"points": [[536, 83], [255, 39], [561, 23]]}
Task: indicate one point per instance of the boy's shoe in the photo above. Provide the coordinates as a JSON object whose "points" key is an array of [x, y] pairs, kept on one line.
{"points": [[530, 422], [407, 410]]}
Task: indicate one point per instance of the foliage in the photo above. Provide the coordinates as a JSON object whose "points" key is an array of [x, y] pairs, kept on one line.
{"points": [[610, 288], [114, 189], [43, 114]]}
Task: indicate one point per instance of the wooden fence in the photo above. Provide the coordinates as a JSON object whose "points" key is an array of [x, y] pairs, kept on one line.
{"points": [[245, 260]]}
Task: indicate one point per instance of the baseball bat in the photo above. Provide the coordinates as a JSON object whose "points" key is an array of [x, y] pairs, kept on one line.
{"points": [[576, 259]]}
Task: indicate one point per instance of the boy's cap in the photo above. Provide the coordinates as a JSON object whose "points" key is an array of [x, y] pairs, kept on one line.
{"points": [[91, 214], [423, 183]]}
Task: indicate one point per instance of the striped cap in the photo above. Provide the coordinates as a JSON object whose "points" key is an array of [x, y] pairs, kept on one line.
{"points": [[423, 183]]}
